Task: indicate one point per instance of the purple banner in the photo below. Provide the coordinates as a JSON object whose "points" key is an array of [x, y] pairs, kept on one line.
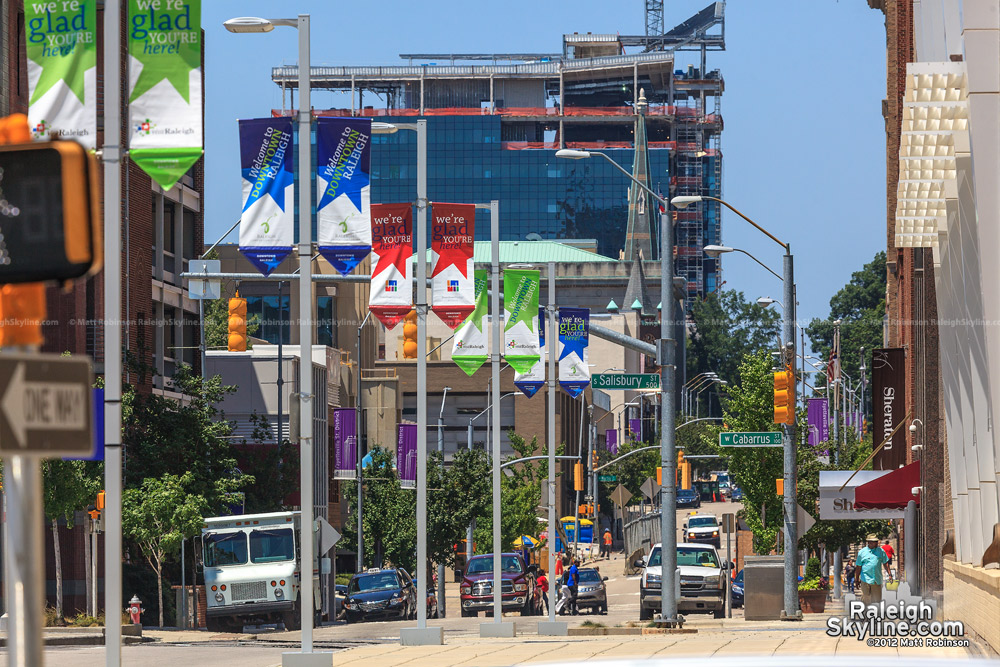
{"points": [[635, 429], [818, 417], [611, 440], [406, 456], [345, 443]]}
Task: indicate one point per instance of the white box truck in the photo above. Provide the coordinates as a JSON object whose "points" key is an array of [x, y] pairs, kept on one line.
{"points": [[251, 570]]}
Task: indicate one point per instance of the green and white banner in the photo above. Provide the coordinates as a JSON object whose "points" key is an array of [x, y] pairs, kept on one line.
{"points": [[472, 340], [520, 306], [165, 116], [61, 45]]}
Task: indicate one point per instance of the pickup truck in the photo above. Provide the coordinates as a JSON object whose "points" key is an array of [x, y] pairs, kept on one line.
{"points": [[517, 583], [703, 578], [703, 528]]}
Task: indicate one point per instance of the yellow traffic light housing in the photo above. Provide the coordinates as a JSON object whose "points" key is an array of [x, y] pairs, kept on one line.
{"points": [[784, 397], [410, 335], [578, 477], [99, 504], [237, 325], [49, 212]]}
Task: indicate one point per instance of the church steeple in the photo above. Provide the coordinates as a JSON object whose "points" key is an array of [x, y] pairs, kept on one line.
{"points": [[638, 236]]}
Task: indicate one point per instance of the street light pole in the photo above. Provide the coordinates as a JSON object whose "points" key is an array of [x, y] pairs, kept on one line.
{"points": [[791, 603], [666, 352]]}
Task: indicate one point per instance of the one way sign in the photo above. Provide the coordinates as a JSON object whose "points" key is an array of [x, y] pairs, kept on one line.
{"points": [[45, 405]]}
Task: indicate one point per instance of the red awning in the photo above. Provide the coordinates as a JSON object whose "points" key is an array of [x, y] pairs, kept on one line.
{"points": [[890, 491]]}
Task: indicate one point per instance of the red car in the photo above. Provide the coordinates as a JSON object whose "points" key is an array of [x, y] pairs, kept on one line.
{"points": [[517, 585]]}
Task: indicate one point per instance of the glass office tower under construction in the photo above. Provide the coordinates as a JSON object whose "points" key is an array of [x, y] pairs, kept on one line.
{"points": [[496, 120]]}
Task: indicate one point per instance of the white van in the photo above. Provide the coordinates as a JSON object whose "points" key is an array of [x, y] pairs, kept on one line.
{"points": [[251, 571]]}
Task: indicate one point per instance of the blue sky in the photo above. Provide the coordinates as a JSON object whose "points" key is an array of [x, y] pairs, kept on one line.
{"points": [[804, 139]]}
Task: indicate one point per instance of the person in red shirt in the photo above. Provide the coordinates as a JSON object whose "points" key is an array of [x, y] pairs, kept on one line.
{"points": [[542, 586], [890, 552]]}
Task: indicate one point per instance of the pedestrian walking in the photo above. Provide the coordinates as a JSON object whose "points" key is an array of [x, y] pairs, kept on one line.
{"points": [[868, 570], [890, 552], [573, 583], [542, 586], [606, 544], [849, 575]]}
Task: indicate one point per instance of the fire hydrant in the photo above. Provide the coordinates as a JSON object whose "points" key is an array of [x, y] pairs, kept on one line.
{"points": [[135, 610]]}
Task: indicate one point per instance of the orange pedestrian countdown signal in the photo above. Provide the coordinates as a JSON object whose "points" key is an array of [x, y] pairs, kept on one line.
{"points": [[49, 215]]}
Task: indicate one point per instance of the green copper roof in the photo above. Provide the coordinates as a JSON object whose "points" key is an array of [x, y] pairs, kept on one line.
{"points": [[611, 305], [636, 305], [534, 252]]}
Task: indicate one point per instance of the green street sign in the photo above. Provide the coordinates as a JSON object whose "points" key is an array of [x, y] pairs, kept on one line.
{"points": [[769, 439], [625, 381], [607, 478]]}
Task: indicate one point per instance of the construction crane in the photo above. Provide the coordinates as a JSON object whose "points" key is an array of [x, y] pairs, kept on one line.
{"points": [[654, 18]]}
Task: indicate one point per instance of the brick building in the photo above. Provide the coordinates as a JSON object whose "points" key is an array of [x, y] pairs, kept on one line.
{"points": [[161, 231], [942, 123]]}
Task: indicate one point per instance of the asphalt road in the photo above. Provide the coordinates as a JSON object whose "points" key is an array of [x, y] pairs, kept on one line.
{"points": [[264, 647]]}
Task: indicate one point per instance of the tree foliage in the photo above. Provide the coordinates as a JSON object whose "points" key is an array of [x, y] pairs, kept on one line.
{"points": [[160, 513], [163, 436], [274, 469], [860, 306], [726, 328], [749, 407]]}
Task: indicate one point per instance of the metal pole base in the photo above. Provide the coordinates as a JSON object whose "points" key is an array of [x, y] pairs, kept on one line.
{"points": [[553, 628], [672, 622], [503, 630], [299, 659], [796, 617], [421, 636]]}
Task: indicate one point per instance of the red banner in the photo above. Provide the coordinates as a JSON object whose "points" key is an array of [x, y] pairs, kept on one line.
{"points": [[453, 231], [391, 295]]}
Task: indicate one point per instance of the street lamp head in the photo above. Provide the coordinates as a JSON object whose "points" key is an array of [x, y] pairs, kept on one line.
{"points": [[572, 154], [683, 200], [384, 128], [766, 301], [836, 323], [245, 24], [716, 250]]}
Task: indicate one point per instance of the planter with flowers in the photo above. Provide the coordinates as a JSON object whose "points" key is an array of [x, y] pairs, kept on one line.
{"points": [[813, 589]]}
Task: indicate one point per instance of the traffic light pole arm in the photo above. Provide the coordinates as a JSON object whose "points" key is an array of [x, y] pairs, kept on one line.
{"points": [[538, 458], [650, 447]]}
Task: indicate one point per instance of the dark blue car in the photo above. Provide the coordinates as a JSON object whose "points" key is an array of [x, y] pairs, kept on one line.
{"points": [[737, 588], [737, 494], [379, 595], [688, 498]]}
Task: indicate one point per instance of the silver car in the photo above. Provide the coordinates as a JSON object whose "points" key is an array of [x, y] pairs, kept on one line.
{"points": [[592, 593]]}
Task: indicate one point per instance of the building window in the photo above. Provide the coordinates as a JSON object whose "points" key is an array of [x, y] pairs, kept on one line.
{"points": [[273, 321], [326, 333]]}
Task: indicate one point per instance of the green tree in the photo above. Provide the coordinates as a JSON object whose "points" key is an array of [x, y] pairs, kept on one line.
{"points": [[157, 515], [69, 486], [274, 469], [749, 407], [389, 514], [456, 495], [727, 327], [860, 306], [165, 436]]}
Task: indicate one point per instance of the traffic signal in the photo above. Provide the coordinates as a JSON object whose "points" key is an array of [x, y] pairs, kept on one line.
{"points": [[410, 335], [49, 208], [578, 476], [238, 324], [595, 462], [99, 503], [784, 397]]}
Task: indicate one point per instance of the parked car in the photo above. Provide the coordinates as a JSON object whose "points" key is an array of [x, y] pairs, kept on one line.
{"points": [[339, 596], [737, 494], [703, 576], [380, 594], [592, 593], [517, 585], [688, 498], [702, 528], [737, 594]]}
